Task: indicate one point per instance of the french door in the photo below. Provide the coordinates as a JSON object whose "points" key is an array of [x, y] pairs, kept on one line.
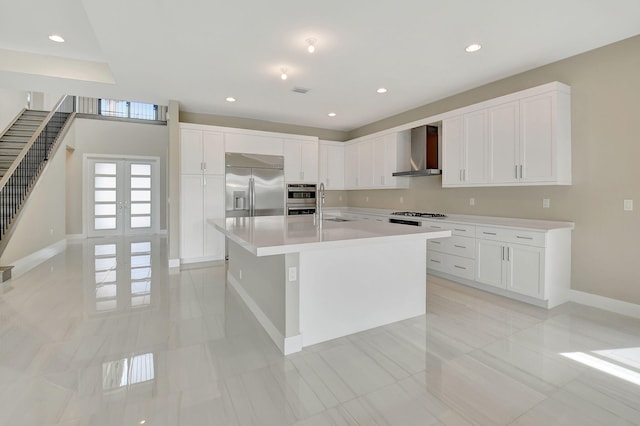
{"points": [[122, 196]]}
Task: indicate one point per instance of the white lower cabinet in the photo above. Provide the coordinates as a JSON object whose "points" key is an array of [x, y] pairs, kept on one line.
{"points": [[529, 265], [202, 198]]}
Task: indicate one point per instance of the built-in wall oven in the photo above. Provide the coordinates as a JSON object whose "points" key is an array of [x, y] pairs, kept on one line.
{"points": [[301, 198]]}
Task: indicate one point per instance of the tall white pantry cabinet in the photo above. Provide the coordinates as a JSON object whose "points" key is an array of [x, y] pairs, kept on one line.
{"points": [[201, 194]]}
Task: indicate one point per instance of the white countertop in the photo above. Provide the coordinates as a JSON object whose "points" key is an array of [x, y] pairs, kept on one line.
{"points": [[504, 222], [269, 235]]}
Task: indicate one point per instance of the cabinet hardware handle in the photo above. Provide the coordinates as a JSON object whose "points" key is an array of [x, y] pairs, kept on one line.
{"points": [[464, 174], [455, 245], [460, 173], [520, 171], [435, 227], [524, 238], [489, 233], [516, 169], [435, 242], [459, 267], [460, 230], [502, 248], [435, 261], [508, 255]]}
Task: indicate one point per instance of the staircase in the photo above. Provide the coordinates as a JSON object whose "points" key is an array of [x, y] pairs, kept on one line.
{"points": [[25, 147], [14, 140]]}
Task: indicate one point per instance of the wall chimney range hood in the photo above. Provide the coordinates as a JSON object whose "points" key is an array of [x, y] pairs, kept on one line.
{"points": [[424, 152]]}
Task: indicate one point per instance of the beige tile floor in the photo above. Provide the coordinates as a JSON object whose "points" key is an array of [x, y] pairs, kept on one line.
{"points": [[105, 334]]}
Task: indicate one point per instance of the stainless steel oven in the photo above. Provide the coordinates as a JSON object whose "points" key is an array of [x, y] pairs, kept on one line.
{"points": [[301, 198]]}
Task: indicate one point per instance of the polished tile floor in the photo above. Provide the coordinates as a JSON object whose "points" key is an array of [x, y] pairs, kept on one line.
{"points": [[105, 334]]}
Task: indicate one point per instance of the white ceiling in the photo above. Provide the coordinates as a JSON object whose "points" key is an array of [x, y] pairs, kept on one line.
{"points": [[201, 51]]}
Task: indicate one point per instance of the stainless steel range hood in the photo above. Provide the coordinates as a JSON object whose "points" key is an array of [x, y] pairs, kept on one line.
{"points": [[424, 152]]}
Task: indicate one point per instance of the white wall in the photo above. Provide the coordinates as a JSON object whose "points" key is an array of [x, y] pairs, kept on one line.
{"points": [[11, 103], [91, 136], [42, 222]]}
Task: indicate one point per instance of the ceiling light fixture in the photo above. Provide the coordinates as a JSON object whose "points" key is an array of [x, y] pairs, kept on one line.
{"points": [[231, 99], [284, 75], [56, 38], [311, 45], [473, 48], [381, 90], [332, 114]]}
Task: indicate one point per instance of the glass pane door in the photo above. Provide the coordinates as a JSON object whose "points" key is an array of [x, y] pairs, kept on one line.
{"points": [[122, 199]]}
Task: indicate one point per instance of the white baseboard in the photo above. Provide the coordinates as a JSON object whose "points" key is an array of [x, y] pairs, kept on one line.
{"points": [[174, 263], [76, 236], [287, 345], [601, 302], [32, 260]]}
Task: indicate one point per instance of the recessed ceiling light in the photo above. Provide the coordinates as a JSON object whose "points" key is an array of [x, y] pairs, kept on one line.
{"points": [[311, 45], [284, 75], [332, 114], [231, 99], [381, 90], [473, 47], [56, 38]]}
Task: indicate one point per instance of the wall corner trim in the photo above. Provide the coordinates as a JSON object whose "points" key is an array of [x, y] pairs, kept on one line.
{"points": [[613, 305]]}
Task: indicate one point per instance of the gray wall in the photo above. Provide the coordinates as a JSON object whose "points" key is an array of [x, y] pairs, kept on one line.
{"points": [[11, 103], [108, 137], [605, 155]]}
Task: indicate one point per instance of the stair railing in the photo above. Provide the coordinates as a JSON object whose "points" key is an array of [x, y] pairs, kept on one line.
{"points": [[19, 179]]}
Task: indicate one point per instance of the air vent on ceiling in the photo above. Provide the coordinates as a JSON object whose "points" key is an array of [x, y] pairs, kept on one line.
{"points": [[300, 90]]}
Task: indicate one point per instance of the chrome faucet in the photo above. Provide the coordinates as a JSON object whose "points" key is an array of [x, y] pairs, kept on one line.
{"points": [[320, 201]]}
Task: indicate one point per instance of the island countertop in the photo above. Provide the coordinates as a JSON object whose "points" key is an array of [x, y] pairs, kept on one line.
{"points": [[271, 235]]}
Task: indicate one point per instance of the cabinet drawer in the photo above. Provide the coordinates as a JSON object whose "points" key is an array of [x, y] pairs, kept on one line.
{"points": [[458, 246], [436, 261], [515, 236], [436, 225], [462, 230], [461, 267]]}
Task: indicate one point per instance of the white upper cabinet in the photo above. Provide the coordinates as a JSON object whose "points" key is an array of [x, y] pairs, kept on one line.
{"points": [[300, 161], [201, 152], [519, 139], [331, 164], [465, 155], [370, 163], [253, 143]]}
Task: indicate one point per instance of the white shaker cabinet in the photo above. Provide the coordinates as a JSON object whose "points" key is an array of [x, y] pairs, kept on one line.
{"points": [[331, 168], [465, 155], [300, 161], [201, 194], [351, 166], [519, 139]]}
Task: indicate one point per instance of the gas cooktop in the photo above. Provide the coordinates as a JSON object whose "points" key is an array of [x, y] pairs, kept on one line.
{"points": [[418, 214]]}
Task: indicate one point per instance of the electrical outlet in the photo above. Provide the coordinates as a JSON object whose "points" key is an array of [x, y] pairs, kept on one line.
{"points": [[546, 203], [628, 205], [293, 273], [340, 197], [366, 199], [51, 231], [401, 200], [472, 201], [240, 273]]}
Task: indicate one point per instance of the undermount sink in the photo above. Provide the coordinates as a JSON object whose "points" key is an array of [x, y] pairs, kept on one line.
{"points": [[337, 219]]}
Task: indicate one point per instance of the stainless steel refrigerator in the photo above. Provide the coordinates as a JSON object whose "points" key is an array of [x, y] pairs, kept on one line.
{"points": [[254, 185]]}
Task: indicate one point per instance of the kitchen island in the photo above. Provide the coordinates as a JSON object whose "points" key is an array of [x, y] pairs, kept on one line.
{"points": [[309, 281]]}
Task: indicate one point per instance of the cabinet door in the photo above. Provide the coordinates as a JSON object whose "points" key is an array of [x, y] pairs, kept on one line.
{"points": [[379, 158], [537, 138], [365, 164], [213, 153], [452, 151], [191, 216], [525, 272], [503, 142], [489, 263], [335, 167], [191, 151], [309, 161], [351, 166], [292, 166], [475, 148], [214, 241]]}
